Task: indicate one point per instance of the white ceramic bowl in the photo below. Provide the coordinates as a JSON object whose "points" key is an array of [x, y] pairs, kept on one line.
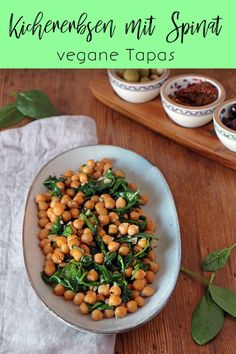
{"points": [[226, 135], [161, 207], [139, 92], [188, 116]]}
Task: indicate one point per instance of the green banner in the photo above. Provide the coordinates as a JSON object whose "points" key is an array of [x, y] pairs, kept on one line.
{"points": [[112, 34]]}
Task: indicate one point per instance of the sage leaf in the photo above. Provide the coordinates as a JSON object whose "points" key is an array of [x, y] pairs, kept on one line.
{"points": [[225, 298], [217, 259], [10, 115], [35, 104], [207, 320]]}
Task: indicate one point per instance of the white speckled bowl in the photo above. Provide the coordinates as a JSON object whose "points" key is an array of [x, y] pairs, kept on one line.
{"points": [[138, 92], [226, 135], [188, 116], [161, 207]]}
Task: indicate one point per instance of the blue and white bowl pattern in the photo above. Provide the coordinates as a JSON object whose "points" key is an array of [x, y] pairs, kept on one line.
{"points": [[135, 88]]}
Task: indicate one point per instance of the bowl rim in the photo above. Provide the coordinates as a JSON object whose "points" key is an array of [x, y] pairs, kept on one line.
{"points": [[164, 76], [217, 119], [217, 84], [177, 230]]}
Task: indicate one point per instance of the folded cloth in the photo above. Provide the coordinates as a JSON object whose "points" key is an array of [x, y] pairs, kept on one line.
{"points": [[25, 325]]}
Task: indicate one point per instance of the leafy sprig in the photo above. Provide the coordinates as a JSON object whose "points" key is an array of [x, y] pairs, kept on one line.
{"points": [[208, 316]]}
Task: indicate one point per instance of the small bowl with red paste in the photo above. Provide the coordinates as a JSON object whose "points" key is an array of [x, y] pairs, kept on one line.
{"points": [[190, 100], [224, 119]]}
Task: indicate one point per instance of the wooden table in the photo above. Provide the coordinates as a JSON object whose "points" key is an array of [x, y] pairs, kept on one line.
{"points": [[204, 192]]}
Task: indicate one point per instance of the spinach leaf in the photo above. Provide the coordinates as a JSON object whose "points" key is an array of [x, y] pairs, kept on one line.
{"points": [[105, 275], [92, 227], [51, 184], [126, 294], [57, 227], [87, 260], [122, 264], [225, 298], [207, 320], [100, 306], [10, 115], [35, 104], [67, 231], [128, 260], [109, 258], [217, 259], [132, 199]]}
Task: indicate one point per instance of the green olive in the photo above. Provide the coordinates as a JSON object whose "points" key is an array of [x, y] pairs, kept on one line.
{"points": [[144, 79], [154, 77], [120, 73], [144, 72], [160, 71], [154, 71], [131, 75]]}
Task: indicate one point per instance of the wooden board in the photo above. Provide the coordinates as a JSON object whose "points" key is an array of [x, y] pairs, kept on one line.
{"points": [[152, 115]]}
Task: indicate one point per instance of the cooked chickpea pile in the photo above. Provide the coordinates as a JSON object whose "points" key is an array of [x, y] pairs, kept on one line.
{"points": [[97, 241]]}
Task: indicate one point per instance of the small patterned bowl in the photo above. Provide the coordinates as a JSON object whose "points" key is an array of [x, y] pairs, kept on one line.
{"points": [[137, 92], [189, 116], [226, 135]]}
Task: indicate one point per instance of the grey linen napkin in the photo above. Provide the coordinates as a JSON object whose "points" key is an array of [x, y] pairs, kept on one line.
{"points": [[25, 325]]}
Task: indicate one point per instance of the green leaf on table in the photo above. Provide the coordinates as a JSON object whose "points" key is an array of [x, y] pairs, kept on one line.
{"points": [[216, 259], [35, 104], [207, 320], [10, 115], [225, 298]]}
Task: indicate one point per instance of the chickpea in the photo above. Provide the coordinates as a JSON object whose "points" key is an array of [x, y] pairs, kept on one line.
{"points": [[85, 248], [91, 163], [68, 173], [90, 298], [100, 297], [139, 284], [42, 214], [120, 203], [40, 198], [74, 213], [104, 289], [48, 226], [114, 300], [65, 249], [102, 211], [76, 253], [144, 199], [89, 204], [96, 315], [43, 222], [52, 238], [132, 306], [78, 224], [148, 291], [53, 217], [128, 272], [66, 216], [109, 313], [75, 184], [134, 215], [72, 241], [60, 185], [84, 309], [119, 173], [55, 200], [139, 300], [49, 268], [44, 242], [113, 216], [83, 177], [151, 255], [75, 178], [69, 295], [120, 311], [107, 239], [43, 206], [112, 229], [97, 174], [58, 256], [142, 242], [58, 209], [139, 274], [133, 186], [65, 199], [115, 290], [107, 166], [59, 290], [123, 250], [78, 298], [43, 234], [103, 220], [92, 275], [87, 238], [135, 293], [87, 170], [47, 249], [79, 199], [133, 230], [101, 232], [154, 267], [99, 258], [113, 246], [95, 198], [109, 203], [123, 228], [150, 276], [70, 192], [61, 240]]}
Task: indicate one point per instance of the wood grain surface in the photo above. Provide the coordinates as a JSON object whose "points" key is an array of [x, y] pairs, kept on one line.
{"points": [[152, 115], [204, 192]]}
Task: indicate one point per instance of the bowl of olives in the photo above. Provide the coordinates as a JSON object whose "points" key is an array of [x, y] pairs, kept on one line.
{"points": [[224, 119], [137, 85]]}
